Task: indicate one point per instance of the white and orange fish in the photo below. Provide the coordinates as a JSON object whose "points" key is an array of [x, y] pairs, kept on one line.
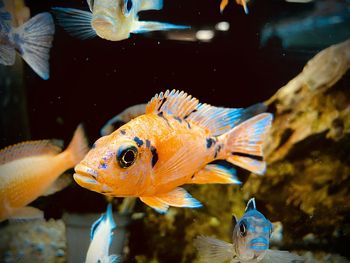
{"points": [[243, 3], [32, 40], [112, 20], [173, 144], [30, 169]]}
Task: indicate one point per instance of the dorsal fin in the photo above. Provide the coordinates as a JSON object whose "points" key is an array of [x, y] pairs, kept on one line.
{"points": [[29, 148], [91, 4], [250, 205], [175, 102], [217, 119], [95, 225]]}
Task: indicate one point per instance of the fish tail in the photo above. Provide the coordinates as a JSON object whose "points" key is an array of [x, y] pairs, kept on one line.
{"points": [[34, 40], [78, 146], [244, 143]]}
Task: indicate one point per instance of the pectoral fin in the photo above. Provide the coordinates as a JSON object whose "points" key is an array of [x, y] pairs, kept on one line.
{"points": [[148, 26], [178, 197], [213, 250], [26, 213], [215, 174], [278, 256]]}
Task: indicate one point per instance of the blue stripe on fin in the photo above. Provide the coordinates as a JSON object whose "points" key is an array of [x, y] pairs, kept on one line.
{"points": [[76, 22], [95, 225], [148, 26]]}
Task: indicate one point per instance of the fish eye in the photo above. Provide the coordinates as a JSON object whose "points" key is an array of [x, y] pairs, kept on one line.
{"points": [[242, 229], [128, 4], [126, 156]]}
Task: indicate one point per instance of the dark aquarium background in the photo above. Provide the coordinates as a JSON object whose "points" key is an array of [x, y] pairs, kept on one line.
{"points": [[93, 80]]}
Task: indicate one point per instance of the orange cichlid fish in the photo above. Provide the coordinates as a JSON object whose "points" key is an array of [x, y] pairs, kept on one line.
{"points": [[243, 3], [173, 144], [30, 169]]}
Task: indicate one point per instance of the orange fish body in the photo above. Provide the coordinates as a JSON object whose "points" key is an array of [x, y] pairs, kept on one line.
{"points": [[172, 144], [29, 169]]}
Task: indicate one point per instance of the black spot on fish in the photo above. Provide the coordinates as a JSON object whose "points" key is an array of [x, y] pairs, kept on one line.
{"points": [[138, 141], [154, 156], [178, 119], [123, 132], [188, 124], [161, 104], [148, 143], [192, 176], [160, 114], [188, 115], [217, 150], [210, 142], [259, 158]]}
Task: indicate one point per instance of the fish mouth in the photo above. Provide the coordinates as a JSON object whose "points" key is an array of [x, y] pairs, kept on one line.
{"points": [[87, 178], [103, 21], [259, 243]]}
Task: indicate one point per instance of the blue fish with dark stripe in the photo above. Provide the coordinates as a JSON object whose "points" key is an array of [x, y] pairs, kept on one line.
{"points": [[251, 239]]}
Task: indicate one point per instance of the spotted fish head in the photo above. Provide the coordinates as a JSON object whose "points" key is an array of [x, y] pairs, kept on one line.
{"points": [[117, 165], [251, 235]]}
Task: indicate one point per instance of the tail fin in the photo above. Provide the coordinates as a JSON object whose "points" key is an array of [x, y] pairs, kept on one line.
{"points": [[213, 250], [245, 141], [34, 39], [78, 146]]}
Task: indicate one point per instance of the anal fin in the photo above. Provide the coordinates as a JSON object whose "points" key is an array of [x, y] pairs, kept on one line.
{"points": [[26, 213], [250, 164], [215, 174]]}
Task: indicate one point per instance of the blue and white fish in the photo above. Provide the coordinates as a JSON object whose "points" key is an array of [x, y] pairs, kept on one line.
{"points": [[32, 41], [250, 238], [101, 238], [112, 20]]}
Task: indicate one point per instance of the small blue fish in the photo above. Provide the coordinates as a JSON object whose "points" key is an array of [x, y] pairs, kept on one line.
{"points": [[112, 20], [101, 238], [32, 41], [250, 238]]}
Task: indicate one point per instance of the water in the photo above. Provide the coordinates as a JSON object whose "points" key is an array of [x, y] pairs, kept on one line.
{"points": [[305, 188]]}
